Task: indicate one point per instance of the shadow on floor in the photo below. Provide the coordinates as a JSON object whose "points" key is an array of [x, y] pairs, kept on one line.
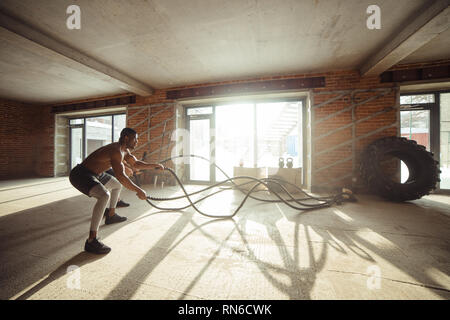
{"points": [[302, 279], [40, 239], [78, 260], [40, 227]]}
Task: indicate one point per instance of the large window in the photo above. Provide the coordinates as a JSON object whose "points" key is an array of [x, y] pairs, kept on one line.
{"points": [[445, 140], [425, 118], [234, 137], [90, 133], [278, 133], [253, 135], [98, 133], [120, 122], [415, 125], [76, 146]]}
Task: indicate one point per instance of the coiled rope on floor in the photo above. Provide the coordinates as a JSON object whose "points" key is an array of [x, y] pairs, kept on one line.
{"points": [[270, 183]]}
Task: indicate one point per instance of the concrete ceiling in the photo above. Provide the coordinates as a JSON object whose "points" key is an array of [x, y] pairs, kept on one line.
{"points": [[168, 43], [437, 49]]}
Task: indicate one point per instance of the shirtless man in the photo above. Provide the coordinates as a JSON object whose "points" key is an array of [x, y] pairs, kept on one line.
{"points": [[90, 178]]}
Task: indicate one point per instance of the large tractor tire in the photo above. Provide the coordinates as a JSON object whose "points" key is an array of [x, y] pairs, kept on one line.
{"points": [[423, 169]]}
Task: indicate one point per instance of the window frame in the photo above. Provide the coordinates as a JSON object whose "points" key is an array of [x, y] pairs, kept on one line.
{"points": [[302, 100], [83, 125], [435, 122]]}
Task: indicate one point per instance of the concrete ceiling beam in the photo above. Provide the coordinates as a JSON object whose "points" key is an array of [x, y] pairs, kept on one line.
{"points": [[426, 25], [101, 70]]}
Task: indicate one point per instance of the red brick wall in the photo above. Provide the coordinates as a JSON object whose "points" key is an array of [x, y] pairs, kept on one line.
{"points": [[335, 81], [331, 176], [16, 140], [44, 137], [156, 105], [42, 147], [34, 134]]}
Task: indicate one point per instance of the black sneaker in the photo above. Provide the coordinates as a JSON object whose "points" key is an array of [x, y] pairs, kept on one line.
{"points": [[122, 204], [96, 247], [114, 219]]}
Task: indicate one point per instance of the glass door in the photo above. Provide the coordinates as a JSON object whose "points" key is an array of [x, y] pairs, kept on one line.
{"points": [[445, 141], [76, 146], [200, 140], [279, 134], [234, 139]]}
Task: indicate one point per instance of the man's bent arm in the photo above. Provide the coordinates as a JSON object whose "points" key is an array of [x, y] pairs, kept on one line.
{"points": [[141, 165], [119, 171]]}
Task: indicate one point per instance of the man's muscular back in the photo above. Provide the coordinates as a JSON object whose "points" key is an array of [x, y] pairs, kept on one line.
{"points": [[100, 160]]}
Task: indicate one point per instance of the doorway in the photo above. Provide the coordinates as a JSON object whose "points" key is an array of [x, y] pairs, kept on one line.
{"points": [[76, 145]]}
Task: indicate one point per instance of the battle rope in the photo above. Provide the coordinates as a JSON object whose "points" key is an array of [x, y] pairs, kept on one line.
{"points": [[269, 183]]}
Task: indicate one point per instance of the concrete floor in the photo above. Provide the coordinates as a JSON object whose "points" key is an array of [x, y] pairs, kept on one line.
{"points": [[371, 249]]}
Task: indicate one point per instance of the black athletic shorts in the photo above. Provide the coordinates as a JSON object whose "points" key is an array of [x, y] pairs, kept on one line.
{"points": [[84, 179], [110, 172]]}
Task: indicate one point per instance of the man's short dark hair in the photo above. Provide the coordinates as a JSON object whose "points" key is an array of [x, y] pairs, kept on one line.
{"points": [[126, 132]]}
